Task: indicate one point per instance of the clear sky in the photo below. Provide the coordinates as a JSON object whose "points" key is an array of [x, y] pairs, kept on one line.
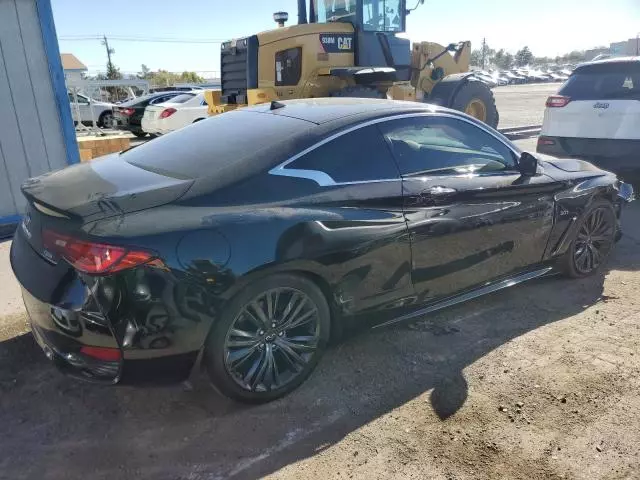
{"points": [[548, 27]]}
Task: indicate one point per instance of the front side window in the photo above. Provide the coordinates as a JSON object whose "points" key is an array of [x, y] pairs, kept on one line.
{"points": [[288, 67], [445, 146], [335, 11], [382, 15], [361, 155]]}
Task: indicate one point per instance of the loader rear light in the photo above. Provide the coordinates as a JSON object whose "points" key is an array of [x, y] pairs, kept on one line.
{"points": [[167, 112], [94, 258], [102, 353], [556, 101]]}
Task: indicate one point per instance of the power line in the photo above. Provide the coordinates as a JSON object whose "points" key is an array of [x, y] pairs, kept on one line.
{"points": [[127, 38]]}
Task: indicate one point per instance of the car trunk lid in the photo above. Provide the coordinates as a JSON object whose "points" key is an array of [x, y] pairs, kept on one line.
{"points": [[92, 191]]}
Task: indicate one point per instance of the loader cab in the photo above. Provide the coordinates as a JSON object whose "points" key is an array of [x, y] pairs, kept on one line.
{"points": [[366, 15], [376, 23]]}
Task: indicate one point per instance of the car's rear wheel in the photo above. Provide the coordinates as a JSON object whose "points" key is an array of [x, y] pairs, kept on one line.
{"points": [[593, 242], [106, 119], [269, 339]]}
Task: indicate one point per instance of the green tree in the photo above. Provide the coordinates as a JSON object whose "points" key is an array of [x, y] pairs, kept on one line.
{"points": [[524, 57], [191, 77], [144, 72]]}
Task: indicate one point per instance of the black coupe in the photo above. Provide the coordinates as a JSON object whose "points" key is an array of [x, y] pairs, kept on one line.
{"points": [[128, 115], [254, 236]]}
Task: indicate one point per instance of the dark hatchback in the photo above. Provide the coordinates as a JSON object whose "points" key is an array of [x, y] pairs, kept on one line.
{"points": [[128, 116], [254, 236]]}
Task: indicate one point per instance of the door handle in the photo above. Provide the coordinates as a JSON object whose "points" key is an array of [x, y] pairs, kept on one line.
{"points": [[440, 190]]}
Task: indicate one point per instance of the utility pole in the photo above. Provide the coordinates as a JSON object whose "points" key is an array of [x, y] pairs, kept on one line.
{"points": [[105, 42], [484, 51]]}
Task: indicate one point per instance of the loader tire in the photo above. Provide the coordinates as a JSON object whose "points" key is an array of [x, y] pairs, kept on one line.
{"points": [[475, 98], [357, 91]]}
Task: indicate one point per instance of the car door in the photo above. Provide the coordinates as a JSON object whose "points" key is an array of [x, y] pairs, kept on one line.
{"points": [[471, 215], [360, 233], [82, 108]]}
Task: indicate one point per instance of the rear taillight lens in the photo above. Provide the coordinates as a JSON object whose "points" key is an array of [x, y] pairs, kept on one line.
{"points": [[102, 353], [95, 258], [557, 101], [127, 111], [546, 141], [167, 112]]}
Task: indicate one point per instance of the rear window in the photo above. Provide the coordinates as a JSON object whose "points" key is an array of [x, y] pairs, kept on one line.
{"points": [[185, 97], [226, 145], [606, 82]]}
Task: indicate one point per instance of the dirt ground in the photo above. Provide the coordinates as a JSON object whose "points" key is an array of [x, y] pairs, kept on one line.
{"points": [[539, 382]]}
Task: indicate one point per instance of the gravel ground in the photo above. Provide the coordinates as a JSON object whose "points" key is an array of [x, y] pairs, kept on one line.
{"points": [[521, 105], [539, 382]]}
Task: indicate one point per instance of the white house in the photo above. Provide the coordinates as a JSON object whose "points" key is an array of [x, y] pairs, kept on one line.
{"points": [[72, 67]]}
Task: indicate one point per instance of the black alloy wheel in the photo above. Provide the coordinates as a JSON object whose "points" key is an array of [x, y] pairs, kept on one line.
{"points": [[594, 240], [269, 340]]}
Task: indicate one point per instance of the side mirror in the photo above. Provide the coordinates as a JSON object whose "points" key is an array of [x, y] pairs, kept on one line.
{"points": [[528, 164]]}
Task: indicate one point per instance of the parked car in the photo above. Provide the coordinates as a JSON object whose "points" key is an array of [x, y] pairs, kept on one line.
{"points": [[128, 115], [102, 111], [256, 235], [558, 77], [174, 88], [174, 114], [514, 78], [486, 78], [596, 114]]}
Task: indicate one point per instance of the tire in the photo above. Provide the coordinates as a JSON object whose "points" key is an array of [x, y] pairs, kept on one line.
{"points": [[358, 91], [572, 262], [106, 119], [239, 347], [140, 134], [475, 91]]}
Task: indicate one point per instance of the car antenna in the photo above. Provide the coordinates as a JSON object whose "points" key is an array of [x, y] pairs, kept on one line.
{"points": [[276, 105]]}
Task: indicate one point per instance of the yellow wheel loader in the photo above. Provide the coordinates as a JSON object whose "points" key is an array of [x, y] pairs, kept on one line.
{"points": [[348, 48]]}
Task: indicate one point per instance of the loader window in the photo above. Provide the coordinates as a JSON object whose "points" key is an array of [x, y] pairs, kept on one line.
{"points": [[288, 67], [335, 11], [382, 15]]}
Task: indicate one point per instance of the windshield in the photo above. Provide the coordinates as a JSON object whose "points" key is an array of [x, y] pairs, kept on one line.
{"points": [[335, 11], [382, 15], [228, 144]]}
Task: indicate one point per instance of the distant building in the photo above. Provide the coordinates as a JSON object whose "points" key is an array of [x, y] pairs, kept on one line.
{"points": [[594, 52], [627, 47], [72, 67], [618, 49]]}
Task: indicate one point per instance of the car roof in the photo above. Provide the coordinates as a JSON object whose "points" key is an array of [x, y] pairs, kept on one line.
{"points": [[324, 110], [614, 63]]}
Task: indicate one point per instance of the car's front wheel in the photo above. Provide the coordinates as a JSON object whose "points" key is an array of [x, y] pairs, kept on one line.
{"points": [[269, 339], [593, 242]]}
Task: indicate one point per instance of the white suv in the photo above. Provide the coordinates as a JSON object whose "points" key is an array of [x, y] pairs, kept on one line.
{"points": [[596, 115]]}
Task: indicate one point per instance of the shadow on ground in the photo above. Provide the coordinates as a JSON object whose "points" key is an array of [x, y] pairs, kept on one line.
{"points": [[55, 427]]}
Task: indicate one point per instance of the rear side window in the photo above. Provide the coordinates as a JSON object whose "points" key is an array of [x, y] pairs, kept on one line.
{"points": [[356, 156], [288, 66], [185, 97], [603, 82]]}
